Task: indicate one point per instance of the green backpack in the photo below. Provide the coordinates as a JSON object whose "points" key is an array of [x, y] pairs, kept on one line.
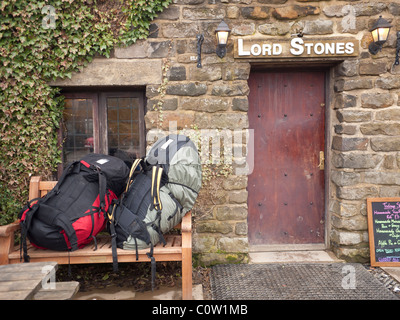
{"points": [[161, 189]]}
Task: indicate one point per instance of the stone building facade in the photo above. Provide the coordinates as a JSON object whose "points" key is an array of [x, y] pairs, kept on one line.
{"points": [[361, 105]]}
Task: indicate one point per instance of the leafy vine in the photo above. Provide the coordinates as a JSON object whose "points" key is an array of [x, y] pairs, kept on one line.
{"points": [[41, 41]]}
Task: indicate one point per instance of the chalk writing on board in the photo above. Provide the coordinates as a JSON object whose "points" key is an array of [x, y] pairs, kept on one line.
{"points": [[386, 223]]}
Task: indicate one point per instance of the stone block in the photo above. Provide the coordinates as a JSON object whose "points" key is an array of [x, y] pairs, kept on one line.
{"points": [[204, 243], [353, 116], [233, 245], [255, 12], [272, 1], [170, 13], [359, 253], [357, 193], [180, 30], [356, 160], [182, 119], [372, 68], [206, 73], [187, 89], [203, 13], [221, 121], [369, 8], [388, 83], [384, 128], [236, 182], [177, 73], [241, 228], [388, 114], [225, 213], [168, 104], [355, 223], [213, 227], [239, 196], [115, 72], [240, 104], [347, 210], [244, 29], [152, 91], [348, 238], [318, 27], [294, 11], [391, 178], [345, 129], [232, 12], [376, 100], [274, 29], [343, 178], [353, 84], [390, 191], [209, 104], [347, 68], [160, 49], [343, 100], [385, 144], [236, 71], [394, 8], [135, 51], [231, 88], [347, 144]]}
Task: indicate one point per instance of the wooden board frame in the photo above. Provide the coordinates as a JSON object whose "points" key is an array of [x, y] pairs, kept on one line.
{"points": [[371, 235]]}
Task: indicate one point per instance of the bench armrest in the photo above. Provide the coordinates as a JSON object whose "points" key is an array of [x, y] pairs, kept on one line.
{"points": [[186, 224], [5, 231], [7, 240]]}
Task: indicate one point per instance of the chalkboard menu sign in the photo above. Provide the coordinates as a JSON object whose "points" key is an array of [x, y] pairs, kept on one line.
{"points": [[384, 231]]}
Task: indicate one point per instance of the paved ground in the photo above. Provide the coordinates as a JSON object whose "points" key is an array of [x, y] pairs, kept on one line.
{"points": [[388, 278]]}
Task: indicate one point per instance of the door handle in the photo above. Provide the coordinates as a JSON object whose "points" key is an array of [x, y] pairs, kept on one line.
{"points": [[321, 165]]}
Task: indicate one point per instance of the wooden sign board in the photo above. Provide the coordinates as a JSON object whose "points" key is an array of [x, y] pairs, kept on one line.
{"points": [[268, 48], [384, 231]]}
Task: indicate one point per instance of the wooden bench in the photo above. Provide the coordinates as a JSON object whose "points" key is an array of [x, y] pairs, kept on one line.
{"points": [[178, 247]]}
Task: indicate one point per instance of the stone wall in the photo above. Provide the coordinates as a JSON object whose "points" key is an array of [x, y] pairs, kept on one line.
{"points": [[363, 105]]}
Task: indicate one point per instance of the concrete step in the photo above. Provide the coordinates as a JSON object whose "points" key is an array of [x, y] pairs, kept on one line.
{"points": [[306, 256]]}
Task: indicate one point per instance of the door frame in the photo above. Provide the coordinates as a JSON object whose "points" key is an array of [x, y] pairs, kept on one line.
{"points": [[329, 93]]}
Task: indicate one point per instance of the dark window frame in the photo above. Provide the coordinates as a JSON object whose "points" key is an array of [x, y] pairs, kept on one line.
{"points": [[99, 108]]}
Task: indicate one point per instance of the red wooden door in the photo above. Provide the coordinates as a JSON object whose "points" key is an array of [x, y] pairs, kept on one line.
{"points": [[286, 187]]}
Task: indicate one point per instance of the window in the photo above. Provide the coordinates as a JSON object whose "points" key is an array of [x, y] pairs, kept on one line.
{"points": [[107, 122]]}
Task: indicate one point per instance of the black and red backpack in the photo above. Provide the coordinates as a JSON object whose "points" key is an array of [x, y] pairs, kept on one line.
{"points": [[73, 212]]}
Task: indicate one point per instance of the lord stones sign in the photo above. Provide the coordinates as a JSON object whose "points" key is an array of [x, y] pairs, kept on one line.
{"points": [[296, 47]]}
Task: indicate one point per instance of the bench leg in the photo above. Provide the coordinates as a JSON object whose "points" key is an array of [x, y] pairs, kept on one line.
{"points": [[187, 274]]}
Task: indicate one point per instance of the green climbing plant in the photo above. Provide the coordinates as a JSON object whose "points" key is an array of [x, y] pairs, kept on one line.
{"points": [[41, 41]]}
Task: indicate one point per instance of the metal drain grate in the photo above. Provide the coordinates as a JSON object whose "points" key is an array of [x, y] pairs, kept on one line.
{"points": [[337, 281]]}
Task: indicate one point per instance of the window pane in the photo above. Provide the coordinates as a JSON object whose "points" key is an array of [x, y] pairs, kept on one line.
{"points": [[78, 129], [123, 127]]}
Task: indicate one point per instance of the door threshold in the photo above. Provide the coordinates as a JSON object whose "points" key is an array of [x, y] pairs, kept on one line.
{"points": [[286, 247]]}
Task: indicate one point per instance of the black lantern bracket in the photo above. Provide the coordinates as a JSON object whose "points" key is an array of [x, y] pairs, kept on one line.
{"points": [[397, 62], [200, 39]]}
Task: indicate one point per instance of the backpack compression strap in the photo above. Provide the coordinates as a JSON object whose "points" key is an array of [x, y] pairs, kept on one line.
{"points": [[111, 217]]}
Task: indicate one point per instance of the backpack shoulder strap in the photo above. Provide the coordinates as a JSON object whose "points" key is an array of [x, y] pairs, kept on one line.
{"points": [[155, 187], [111, 215]]}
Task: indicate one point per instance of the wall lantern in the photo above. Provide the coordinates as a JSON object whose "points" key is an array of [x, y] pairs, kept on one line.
{"points": [[380, 33], [222, 33]]}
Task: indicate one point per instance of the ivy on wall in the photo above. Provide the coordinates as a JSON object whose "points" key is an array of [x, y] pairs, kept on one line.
{"points": [[39, 42]]}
